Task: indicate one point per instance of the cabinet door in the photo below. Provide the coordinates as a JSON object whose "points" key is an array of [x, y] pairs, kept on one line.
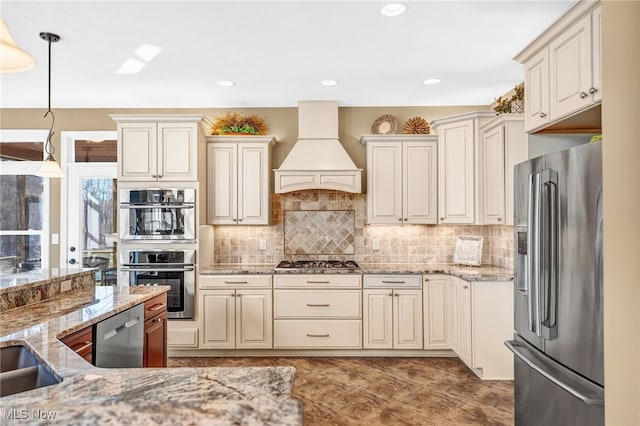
{"points": [[464, 348], [436, 304], [407, 319], [570, 70], [384, 183], [218, 315], [455, 286], [253, 184], [137, 152], [596, 28], [177, 151], [420, 165], [536, 86], [254, 319], [377, 318], [155, 342], [493, 185], [456, 172], [222, 184]]}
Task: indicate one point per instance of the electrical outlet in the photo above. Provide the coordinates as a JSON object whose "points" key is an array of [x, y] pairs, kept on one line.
{"points": [[55, 238], [65, 286], [375, 244], [263, 244]]}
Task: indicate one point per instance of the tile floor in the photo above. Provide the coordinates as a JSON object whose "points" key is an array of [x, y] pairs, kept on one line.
{"points": [[387, 391]]}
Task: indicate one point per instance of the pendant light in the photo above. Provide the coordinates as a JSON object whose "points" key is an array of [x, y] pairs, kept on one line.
{"points": [[50, 167], [12, 58]]}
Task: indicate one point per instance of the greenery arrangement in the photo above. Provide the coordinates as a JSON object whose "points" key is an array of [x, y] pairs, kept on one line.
{"points": [[237, 124], [503, 106]]}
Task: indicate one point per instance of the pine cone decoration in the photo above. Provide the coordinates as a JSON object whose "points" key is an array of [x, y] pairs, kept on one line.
{"points": [[416, 126]]}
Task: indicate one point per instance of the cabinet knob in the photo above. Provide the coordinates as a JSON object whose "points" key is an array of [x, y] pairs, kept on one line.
{"points": [[583, 95], [239, 220], [405, 219], [499, 219], [543, 115], [592, 90], [390, 294], [465, 286], [399, 219], [396, 295], [442, 218]]}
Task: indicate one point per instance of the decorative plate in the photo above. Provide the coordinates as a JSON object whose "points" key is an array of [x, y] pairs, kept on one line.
{"points": [[468, 250], [384, 125]]}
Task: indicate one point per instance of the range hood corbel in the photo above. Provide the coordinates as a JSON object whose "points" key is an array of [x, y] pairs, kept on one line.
{"points": [[318, 160]]}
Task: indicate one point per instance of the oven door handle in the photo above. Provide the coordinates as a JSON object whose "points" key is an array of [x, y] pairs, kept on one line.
{"points": [[156, 206], [128, 269]]}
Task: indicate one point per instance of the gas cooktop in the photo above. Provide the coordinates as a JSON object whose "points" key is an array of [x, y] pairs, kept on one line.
{"points": [[348, 265]]}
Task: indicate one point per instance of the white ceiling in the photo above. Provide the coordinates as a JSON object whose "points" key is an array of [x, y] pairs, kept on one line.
{"points": [[276, 52]]}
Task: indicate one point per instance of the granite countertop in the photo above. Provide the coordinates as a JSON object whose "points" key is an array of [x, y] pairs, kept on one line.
{"points": [[468, 273], [91, 395], [39, 277]]}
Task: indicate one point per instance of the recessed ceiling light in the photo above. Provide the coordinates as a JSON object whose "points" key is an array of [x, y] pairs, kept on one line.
{"points": [[329, 82], [226, 83], [432, 81], [131, 66], [147, 52], [393, 9]]}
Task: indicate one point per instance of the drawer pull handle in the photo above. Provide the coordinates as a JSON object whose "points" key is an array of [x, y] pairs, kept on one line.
{"points": [[85, 345], [157, 307], [393, 282], [236, 282], [323, 305], [318, 282], [317, 335]]}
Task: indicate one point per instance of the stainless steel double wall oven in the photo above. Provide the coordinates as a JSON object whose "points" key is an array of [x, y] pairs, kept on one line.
{"points": [[158, 242]]}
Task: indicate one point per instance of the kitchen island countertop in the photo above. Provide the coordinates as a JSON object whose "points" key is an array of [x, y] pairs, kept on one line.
{"points": [[91, 395]]}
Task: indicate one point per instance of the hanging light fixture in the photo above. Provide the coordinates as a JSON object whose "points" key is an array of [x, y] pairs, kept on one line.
{"points": [[12, 58], [50, 167]]}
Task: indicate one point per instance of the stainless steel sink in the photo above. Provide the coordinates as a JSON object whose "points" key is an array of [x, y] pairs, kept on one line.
{"points": [[21, 371]]}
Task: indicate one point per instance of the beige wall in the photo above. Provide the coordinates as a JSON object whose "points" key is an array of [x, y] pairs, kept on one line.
{"points": [[621, 175], [283, 124]]}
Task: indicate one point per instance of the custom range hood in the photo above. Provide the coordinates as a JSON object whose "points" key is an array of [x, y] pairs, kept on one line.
{"points": [[318, 160]]}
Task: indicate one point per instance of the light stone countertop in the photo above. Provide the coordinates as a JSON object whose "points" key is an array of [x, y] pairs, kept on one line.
{"points": [[468, 273], [39, 277], [91, 395]]}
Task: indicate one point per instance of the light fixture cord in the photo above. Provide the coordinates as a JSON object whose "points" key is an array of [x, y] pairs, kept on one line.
{"points": [[48, 146]]}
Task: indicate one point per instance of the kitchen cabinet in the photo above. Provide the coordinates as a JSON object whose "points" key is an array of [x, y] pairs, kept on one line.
{"points": [[238, 179], [236, 312], [392, 319], [458, 163], [81, 342], [563, 68], [436, 294], [157, 147], [155, 332], [321, 311], [401, 179], [481, 320], [503, 144]]}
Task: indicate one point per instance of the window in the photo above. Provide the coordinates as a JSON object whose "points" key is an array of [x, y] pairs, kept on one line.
{"points": [[24, 206]]}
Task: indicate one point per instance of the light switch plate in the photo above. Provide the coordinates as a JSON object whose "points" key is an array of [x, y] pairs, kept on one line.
{"points": [[55, 238], [263, 244], [65, 286], [375, 244]]}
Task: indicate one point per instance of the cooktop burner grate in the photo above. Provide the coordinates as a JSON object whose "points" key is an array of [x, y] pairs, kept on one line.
{"points": [[317, 264]]}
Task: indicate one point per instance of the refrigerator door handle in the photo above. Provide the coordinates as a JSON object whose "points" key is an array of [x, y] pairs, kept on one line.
{"points": [[548, 274], [533, 253], [588, 393]]}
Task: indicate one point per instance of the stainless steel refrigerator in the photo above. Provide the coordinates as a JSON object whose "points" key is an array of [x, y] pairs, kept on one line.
{"points": [[558, 345]]}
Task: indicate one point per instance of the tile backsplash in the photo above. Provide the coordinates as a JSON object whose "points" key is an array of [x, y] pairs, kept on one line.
{"points": [[398, 244], [319, 232]]}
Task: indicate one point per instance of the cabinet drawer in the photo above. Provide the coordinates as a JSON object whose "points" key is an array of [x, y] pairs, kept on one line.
{"points": [[317, 304], [313, 334], [182, 337], [155, 306], [317, 281], [81, 342], [393, 281], [234, 281]]}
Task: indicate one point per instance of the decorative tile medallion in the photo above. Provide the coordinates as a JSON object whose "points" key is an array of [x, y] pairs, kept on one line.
{"points": [[319, 232]]}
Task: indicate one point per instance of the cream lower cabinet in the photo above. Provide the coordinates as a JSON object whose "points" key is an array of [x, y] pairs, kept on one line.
{"points": [[436, 293], [401, 179], [238, 179], [236, 318], [392, 319], [317, 311], [481, 320]]}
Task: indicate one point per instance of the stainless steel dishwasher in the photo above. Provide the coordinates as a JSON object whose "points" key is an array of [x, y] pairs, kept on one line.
{"points": [[119, 339]]}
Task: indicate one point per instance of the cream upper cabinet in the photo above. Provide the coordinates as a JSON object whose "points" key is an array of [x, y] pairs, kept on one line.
{"points": [[437, 305], [563, 68], [503, 144], [401, 179], [238, 171], [457, 166], [157, 148]]}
